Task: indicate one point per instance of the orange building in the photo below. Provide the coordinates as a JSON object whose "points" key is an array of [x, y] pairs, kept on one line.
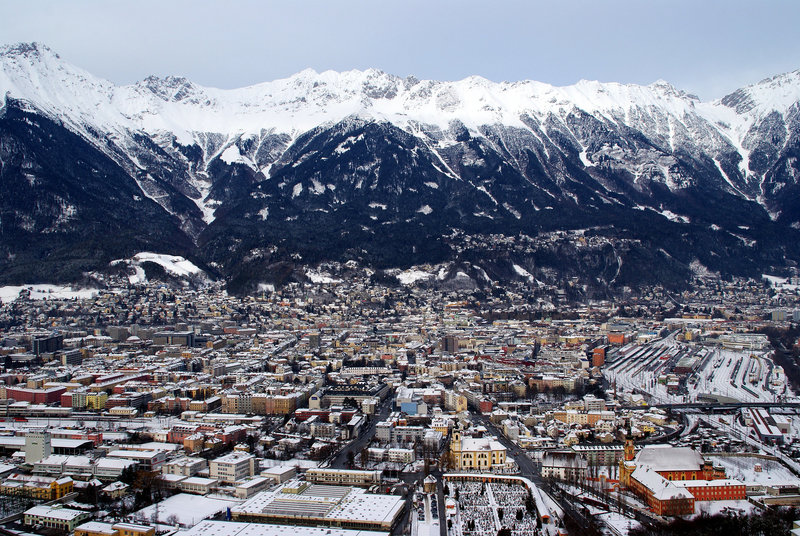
{"points": [[670, 479], [618, 337], [715, 490], [599, 356], [97, 528]]}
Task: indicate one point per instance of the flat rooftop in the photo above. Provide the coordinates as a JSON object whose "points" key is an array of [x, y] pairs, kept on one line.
{"points": [[232, 528], [298, 500]]}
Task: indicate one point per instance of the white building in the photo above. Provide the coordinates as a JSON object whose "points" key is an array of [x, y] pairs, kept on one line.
{"points": [[184, 466], [280, 473], [197, 485], [149, 460], [55, 517], [38, 445], [250, 487], [233, 467], [112, 468]]}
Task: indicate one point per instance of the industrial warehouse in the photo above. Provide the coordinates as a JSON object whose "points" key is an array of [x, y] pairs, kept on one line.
{"points": [[301, 503]]}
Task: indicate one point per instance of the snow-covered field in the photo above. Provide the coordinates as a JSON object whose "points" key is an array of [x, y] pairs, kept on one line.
{"points": [[321, 277], [411, 276], [744, 469], [718, 507], [172, 264], [44, 292], [780, 283], [620, 523]]}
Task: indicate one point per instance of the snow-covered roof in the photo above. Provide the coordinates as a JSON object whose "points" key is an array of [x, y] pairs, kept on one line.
{"points": [[114, 463], [97, 527], [200, 481], [661, 488], [230, 528], [471, 444], [720, 482], [188, 509], [63, 514], [323, 501], [669, 458]]}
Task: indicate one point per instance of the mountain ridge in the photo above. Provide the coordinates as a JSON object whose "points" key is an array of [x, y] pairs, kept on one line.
{"points": [[516, 157]]}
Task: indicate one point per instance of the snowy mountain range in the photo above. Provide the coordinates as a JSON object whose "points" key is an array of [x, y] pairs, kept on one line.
{"points": [[371, 167]]}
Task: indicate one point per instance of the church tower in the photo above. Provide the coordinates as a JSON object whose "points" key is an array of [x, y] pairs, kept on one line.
{"points": [[626, 463], [629, 451], [455, 446]]}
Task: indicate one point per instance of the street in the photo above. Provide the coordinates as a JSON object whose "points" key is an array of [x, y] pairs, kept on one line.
{"points": [[357, 445]]}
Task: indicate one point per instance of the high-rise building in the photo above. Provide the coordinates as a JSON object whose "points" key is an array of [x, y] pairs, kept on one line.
{"points": [[47, 344], [38, 445], [450, 344]]}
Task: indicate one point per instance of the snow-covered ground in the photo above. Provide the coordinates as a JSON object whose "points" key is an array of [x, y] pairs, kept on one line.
{"points": [[718, 507], [317, 276], [744, 468], [618, 522], [185, 509], [44, 292], [173, 264], [411, 276], [427, 526], [780, 283]]}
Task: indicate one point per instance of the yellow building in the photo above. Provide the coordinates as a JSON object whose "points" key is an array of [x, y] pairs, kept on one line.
{"points": [[571, 417], [38, 487], [441, 425], [477, 453], [130, 529], [455, 402], [96, 528], [96, 401]]}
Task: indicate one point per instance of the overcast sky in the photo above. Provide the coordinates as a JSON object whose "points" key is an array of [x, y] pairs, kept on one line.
{"points": [[707, 47]]}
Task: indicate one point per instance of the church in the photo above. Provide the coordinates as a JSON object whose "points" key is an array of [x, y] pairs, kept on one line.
{"points": [[670, 479], [478, 453]]}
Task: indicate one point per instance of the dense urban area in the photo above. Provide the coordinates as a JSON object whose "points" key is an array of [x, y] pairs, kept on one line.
{"points": [[384, 404]]}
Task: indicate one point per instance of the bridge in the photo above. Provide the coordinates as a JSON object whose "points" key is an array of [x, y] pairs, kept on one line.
{"points": [[720, 405]]}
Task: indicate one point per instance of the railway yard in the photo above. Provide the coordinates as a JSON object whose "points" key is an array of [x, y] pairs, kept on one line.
{"points": [[668, 372]]}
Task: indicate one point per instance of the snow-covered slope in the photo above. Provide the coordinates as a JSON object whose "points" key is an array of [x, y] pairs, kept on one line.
{"points": [[175, 109], [365, 153], [296, 104]]}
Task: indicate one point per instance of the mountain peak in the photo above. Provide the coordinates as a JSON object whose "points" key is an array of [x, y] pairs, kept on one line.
{"points": [[778, 92], [170, 88], [166, 81], [29, 50], [663, 84]]}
